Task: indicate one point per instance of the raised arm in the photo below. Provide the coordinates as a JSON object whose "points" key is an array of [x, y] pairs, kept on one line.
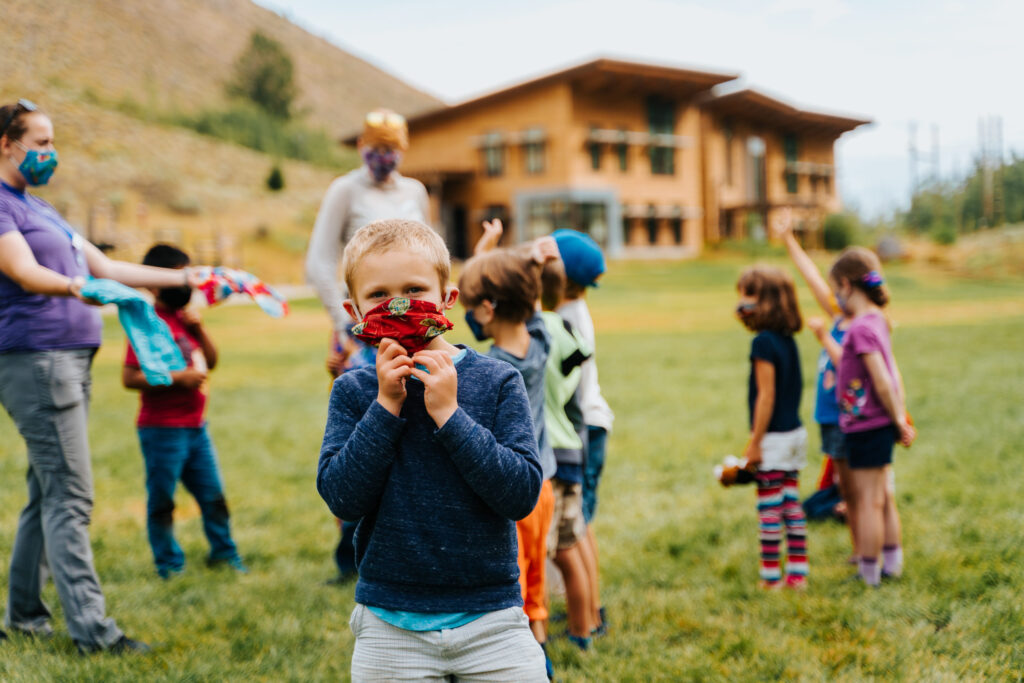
{"points": [[783, 229], [324, 254], [135, 274]]}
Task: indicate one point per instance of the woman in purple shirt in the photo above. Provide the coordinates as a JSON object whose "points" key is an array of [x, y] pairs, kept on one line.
{"points": [[48, 336]]}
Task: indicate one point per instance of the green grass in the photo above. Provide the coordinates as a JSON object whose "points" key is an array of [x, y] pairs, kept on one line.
{"points": [[679, 553]]}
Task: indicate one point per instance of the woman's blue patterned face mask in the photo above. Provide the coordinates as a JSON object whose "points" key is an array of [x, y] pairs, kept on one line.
{"points": [[37, 167]]}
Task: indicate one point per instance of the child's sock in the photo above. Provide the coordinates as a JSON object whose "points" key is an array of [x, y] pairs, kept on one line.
{"points": [[892, 560], [870, 571]]}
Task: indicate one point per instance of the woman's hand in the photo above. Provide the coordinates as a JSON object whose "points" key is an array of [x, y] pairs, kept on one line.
{"points": [[393, 366], [75, 290]]}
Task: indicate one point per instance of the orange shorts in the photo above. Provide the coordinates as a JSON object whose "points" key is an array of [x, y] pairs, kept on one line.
{"points": [[532, 534]]}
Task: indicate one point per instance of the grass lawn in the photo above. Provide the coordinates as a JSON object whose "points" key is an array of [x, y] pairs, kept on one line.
{"points": [[678, 552]]}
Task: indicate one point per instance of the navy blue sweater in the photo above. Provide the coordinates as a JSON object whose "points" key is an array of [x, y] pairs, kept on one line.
{"points": [[435, 506]]}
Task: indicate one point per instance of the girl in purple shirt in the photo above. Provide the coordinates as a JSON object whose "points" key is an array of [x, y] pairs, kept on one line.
{"points": [[873, 413]]}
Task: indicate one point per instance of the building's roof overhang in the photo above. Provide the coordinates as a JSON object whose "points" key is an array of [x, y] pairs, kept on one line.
{"points": [[605, 76], [754, 106]]}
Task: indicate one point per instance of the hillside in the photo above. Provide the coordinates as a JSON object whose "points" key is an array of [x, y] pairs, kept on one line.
{"points": [[177, 54], [127, 181]]}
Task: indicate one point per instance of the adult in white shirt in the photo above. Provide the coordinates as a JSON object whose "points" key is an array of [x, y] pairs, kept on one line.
{"points": [[374, 191]]}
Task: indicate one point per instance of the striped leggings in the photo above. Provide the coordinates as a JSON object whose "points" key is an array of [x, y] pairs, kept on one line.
{"points": [[777, 503]]}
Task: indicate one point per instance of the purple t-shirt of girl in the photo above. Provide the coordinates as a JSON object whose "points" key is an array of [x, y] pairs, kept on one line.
{"points": [[859, 405], [35, 322]]}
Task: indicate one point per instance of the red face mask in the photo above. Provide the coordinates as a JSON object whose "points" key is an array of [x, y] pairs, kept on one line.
{"points": [[413, 323]]}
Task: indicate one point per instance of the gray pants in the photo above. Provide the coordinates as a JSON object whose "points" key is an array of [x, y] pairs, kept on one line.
{"points": [[46, 393]]}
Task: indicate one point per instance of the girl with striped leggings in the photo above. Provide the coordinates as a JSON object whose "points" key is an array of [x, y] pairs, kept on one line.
{"points": [[777, 449]]}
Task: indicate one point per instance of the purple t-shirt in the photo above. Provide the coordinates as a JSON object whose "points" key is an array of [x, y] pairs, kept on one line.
{"points": [[859, 405], [36, 322]]}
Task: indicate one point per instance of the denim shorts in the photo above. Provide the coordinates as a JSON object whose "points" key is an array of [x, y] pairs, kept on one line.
{"points": [[833, 442], [870, 448]]}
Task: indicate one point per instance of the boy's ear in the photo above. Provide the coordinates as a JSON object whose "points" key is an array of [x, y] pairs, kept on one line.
{"points": [[350, 308], [450, 297]]}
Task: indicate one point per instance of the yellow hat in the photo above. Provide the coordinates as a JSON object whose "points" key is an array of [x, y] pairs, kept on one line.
{"points": [[385, 128]]}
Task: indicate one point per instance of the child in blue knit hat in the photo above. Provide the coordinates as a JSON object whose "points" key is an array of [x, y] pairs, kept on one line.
{"points": [[584, 264]]}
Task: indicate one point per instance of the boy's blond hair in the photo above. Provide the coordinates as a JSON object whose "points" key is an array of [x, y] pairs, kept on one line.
{"points": [[395, 233]]}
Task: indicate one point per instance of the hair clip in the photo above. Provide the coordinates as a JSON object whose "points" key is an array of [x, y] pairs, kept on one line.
{"points": [[873, 279]]}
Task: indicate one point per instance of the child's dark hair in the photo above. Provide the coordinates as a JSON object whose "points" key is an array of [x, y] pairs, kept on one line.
{"points": [[553, 284], [165, 256], [507, 279], [776, 308], [863, 270]]}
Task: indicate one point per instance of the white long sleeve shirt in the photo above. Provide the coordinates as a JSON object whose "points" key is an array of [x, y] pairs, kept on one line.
{"points": [[596, 411], [352, 201]]}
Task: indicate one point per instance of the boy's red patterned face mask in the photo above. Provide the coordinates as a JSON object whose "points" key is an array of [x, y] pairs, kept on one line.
{"points": [[413, 323]]}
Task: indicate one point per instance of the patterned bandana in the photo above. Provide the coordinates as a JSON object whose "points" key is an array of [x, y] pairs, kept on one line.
{"points": [[413, 323]]}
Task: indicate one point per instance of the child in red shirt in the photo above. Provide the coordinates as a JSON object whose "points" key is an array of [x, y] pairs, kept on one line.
{"points": [[173, 435]]}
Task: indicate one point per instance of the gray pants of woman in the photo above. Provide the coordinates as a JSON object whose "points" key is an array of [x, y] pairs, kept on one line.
{"points": [[46, 393]]}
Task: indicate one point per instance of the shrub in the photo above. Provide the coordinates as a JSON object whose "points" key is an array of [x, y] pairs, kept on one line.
{"points": [[840, 231], [275, 181], [264, 76]]}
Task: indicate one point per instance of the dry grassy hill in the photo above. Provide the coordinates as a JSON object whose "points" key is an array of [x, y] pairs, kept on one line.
{"points": [[177, 54], [128, 181]]}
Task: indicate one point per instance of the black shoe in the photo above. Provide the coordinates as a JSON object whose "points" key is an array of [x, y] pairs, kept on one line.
{"points": [[44, 633], [123, 645]]}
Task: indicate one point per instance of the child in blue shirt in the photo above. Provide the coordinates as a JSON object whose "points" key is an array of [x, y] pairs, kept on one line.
{"points": [[433, 452]]}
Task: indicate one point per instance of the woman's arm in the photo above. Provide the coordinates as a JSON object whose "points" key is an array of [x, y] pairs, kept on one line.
{"points": [[19, 263], [764, 376], [888, 394], [137, 275]]}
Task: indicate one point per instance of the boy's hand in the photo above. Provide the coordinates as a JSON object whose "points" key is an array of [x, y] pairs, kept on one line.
{"points": [[191, 319], [782, 226], [752, 455], [393, 366], [818, 326], [489, 240], [189, 378], [440, 382]]}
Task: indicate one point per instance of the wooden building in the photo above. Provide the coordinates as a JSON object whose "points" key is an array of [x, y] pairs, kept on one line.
{"points": [[647, 159]]}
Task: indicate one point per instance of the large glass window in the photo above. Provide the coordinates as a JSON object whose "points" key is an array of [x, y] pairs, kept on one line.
{"points": [[661, 115], [789, 146], [543, 216]]}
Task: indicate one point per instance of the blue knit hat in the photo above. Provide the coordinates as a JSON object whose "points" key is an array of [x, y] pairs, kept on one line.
{"points": [[583, 259]]}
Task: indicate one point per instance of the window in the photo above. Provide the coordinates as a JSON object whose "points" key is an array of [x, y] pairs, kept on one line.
{"points": [[652, 230], [594, 147], [661, 114], [533, 153], [789, 145], [622, 151], [677, 230], [494, 155]]}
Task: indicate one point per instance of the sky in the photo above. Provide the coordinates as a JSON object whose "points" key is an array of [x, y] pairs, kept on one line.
{"points": [[941, 65]]}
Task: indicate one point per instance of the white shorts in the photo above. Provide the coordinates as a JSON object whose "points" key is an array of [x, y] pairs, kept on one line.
{"points": [[786, 451]]}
